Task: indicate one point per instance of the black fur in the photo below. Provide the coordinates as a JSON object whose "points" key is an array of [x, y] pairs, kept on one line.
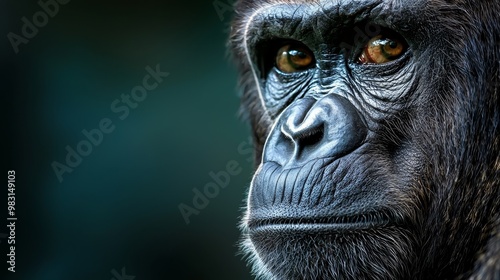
{"points": [[449, 195]]}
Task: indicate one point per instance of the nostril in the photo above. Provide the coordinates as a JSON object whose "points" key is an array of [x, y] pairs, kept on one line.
{"points": [[311, 137]]}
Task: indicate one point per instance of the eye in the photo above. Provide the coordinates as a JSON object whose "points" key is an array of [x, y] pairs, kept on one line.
{"points": [[293, 58], [382, 49]]}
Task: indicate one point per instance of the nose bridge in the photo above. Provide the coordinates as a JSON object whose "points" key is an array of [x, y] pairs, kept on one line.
{"points": [[328, 64], [312, 129]]}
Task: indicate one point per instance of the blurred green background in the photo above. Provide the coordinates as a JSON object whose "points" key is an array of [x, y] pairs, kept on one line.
{"points": [[118, 209]]}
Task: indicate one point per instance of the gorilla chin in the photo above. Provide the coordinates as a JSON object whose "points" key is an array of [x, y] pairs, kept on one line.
{"points": [[319, 251], [300, 227]]}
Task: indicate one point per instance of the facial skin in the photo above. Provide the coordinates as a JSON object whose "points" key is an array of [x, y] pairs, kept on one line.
{"points": [[377, 138]]}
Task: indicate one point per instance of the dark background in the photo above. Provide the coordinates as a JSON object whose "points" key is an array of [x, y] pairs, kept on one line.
{"points": [[118, 209]]}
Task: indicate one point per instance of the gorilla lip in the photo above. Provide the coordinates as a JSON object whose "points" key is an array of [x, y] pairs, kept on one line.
{"points": [[335, 223]]}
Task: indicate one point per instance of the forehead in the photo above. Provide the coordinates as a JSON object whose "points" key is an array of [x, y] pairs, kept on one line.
{"points": [[327, 10], [278, 8], [272, 13], [346, 2], [256, 5], [324, 19]]}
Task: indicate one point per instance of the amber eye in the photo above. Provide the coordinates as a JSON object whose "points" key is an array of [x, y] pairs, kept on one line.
{"points": [[382, 49], [292, 58]]}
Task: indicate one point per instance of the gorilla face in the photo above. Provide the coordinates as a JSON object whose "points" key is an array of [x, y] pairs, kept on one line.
{"points": [[376, 128]]}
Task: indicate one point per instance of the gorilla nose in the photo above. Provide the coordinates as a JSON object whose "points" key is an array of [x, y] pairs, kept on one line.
{"points": [[312, 129]]}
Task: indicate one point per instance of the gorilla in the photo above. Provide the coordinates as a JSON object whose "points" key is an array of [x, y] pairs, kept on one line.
{"points": [[376, 127]]}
